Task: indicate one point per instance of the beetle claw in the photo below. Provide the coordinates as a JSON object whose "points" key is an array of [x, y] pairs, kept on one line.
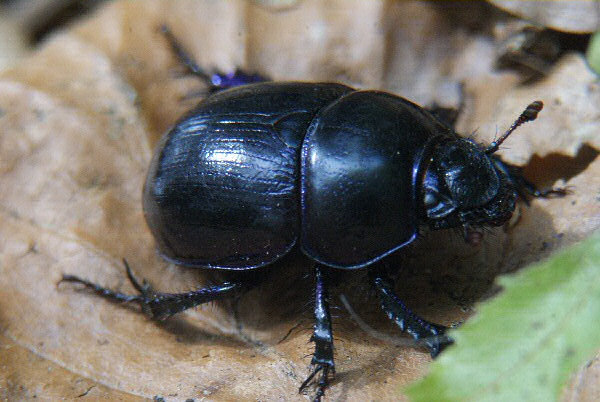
{"points": [[325, 369], [102, 291], [436, 344], [145, 289]]}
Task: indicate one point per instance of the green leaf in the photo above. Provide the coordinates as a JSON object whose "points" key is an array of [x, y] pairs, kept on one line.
{"points": [[593, 53], [524, 344]]}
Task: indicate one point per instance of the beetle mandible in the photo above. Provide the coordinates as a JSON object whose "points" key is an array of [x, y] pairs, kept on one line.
{"points": [[347, 176]]}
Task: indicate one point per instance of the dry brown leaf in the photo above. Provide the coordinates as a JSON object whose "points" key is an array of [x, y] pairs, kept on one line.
{"points": [[39, 377], [571, 95], [78, 122], [578, 16]]}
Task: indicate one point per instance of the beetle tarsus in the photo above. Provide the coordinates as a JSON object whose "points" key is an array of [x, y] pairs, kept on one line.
{"points": [[324, 369], [183, 56], [322, 360], [158, 305], [101, 291], [430, 335], [524, 188], [145, 289]]}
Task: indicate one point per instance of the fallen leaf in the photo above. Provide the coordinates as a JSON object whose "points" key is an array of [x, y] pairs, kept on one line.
{"points": [[524, 344], [570, 16], [78, 121]]}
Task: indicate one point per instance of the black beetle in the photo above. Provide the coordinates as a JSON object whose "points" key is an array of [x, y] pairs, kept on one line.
{"points": [[348, 176]]}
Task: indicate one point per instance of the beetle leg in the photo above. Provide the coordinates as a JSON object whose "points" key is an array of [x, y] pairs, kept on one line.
{"points": [[429, 334], [217, 81], [446, 115], [322, 359], [160, 305], [183, 56], [524, 187]]}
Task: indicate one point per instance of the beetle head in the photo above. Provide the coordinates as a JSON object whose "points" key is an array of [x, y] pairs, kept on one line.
{"points": [[462, 187]]}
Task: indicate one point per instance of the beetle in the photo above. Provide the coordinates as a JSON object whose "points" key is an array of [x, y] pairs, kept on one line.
{"points": [[347, 176]]}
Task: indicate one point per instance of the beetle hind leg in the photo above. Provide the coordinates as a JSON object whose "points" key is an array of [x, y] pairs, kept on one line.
{"points": [[430, 335], [322, 360], [159, 305]]}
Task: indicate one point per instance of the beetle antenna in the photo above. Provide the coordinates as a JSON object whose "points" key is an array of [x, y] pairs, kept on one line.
{"points": [[529, 114]]}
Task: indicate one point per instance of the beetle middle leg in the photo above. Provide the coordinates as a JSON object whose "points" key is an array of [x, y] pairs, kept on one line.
{"points": [[159, 305], [430, 335], [216, 81], [322, 360]]}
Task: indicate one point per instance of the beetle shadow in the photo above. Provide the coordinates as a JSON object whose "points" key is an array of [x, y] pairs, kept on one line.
{"points": [[188, 332], [279, 299]]}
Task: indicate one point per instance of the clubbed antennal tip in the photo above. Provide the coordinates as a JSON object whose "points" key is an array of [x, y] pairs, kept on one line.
{"points": [[529, 114]]}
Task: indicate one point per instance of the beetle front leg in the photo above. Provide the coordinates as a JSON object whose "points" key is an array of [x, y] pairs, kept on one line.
{"points": [[322, 359], [158, 305], [523, 186], [425, 332]]}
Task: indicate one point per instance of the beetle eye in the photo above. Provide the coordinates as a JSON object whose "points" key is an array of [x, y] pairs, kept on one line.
{"points": [[437, 204]]}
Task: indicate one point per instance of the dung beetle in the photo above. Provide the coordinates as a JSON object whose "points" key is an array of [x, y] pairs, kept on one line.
{"points": [[347, 176]]}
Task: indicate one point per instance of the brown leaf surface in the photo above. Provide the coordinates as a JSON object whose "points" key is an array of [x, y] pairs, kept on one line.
{"points": [[578, 16], [78, 122]]}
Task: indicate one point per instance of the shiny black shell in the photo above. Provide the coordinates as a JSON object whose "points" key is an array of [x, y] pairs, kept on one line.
{"points": [[254, 170]]}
